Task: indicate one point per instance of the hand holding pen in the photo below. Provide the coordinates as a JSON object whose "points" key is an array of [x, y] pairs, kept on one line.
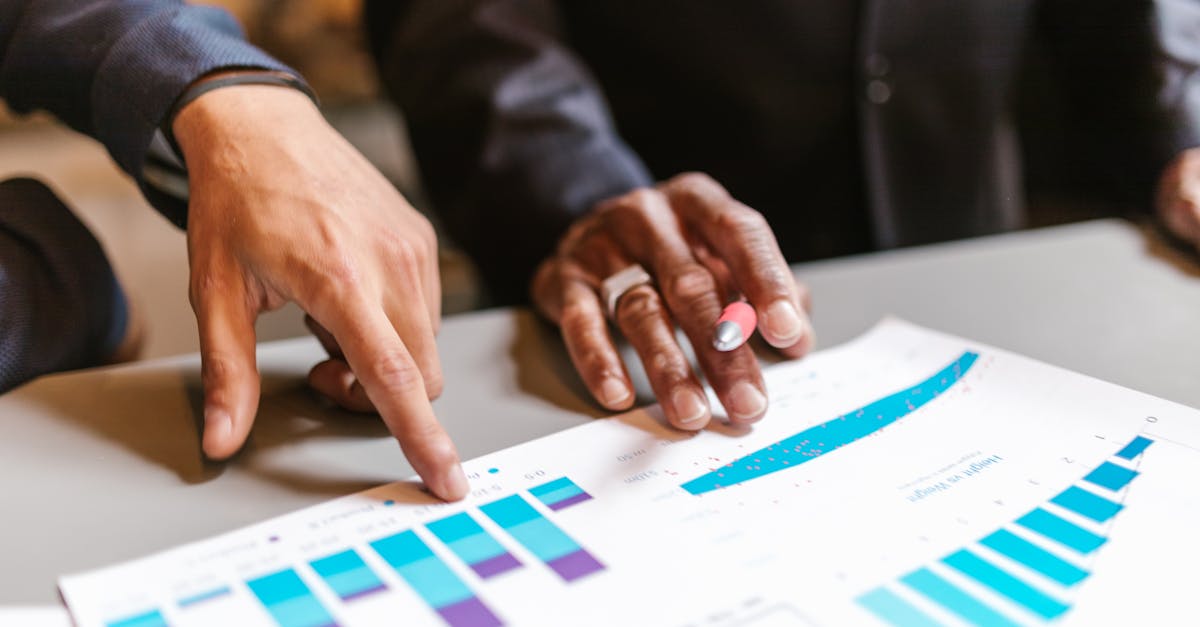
{"points": [[659, 257]]}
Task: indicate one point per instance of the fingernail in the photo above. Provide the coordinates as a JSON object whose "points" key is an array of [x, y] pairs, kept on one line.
{"points": [[689, 407], [613, 392], [783, 322], [745, 401], [217, 422], [454, 483]]}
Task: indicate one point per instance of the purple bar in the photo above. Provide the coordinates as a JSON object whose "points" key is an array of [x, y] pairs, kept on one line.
{"points": [[572, 566], [495, 565], [567, 502], [362, 593], [469, 613]]}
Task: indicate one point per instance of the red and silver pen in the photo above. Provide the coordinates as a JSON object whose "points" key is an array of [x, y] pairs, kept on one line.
{"points": [[735, 326]]}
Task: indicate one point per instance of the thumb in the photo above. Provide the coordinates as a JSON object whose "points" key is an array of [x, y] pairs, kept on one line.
{"points": [[230, 376]]}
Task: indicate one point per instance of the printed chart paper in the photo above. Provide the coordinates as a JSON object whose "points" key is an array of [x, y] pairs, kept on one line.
{"points": [[905, 478]]}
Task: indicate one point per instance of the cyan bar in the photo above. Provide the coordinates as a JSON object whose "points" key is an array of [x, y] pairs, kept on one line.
{"points": [[435, 582], [1061, 531], [455, 527], [401, 549], [289, 600], [1004, 583], [469, 541], [1111, 476], [153, 618], [829, 436], [1134, 448], [543, 539], [1087, 504], [561, 494], [550, 486], [201, 597], [348, 575], [422, 570], [1034, 557], [510, 511], [891, 608], [954, 599]]}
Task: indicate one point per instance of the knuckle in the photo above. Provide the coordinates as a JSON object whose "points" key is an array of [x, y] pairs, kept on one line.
{"points": [[576, 320], [639, 307], [217, 368], [695, 184], [742, 219], [409, 253], [397, 371], [201, 285], [636, 202], [667, 363], [690, 283]]}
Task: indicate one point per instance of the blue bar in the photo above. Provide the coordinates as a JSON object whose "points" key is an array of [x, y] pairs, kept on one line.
{"points": [[534, 531], [825, 438], [1034, 557], [1134, 448], [561, 494], [551, 486], [1111, 476], [153, 618], [424, 571], [204, 596], [1061, 531], [289, 600], [954, 599], [470, 542], [348, 575], [1087, 504], [1005, 584], [890, 608]]}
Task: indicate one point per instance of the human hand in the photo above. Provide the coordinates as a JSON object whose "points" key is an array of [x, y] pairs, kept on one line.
{"points": [[1178, 196], [284, 209], [701, 246]]}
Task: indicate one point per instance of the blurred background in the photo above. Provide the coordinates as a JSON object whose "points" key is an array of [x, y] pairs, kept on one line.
{"points": [[323, 40]]}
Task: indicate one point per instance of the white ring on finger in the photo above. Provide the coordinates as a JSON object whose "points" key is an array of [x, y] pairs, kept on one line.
{"points": [[617, 285]]}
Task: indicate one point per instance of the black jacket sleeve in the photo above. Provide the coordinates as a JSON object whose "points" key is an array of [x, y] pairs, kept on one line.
{"points": [[113, 68], [513, 136]]}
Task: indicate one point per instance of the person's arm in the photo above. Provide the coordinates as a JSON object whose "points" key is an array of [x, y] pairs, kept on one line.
{"points": [[519, 153], [112, 69], [281, 208], [512, 134]]}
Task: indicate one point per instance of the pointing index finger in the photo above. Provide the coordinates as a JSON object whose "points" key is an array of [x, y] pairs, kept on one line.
{"points": [[396, 387]]}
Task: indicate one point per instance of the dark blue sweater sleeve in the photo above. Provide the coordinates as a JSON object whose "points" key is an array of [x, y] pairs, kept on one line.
{"points": [[113, 68], [514, 136]]}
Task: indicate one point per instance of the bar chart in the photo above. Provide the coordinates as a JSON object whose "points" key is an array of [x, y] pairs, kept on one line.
{"points": [[1039, 559], [957, 484]]}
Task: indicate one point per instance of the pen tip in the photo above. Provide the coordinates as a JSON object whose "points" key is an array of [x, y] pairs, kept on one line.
{"points": [[727, 336]]}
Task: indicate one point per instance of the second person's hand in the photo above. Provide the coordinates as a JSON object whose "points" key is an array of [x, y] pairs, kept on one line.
{"points": [[701, 246]]}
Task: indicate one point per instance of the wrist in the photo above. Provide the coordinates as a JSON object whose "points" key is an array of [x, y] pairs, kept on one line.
{"points": [[235, 103]]}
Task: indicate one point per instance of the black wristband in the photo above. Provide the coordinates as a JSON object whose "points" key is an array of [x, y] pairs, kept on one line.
{"points": [[249, 77]]}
